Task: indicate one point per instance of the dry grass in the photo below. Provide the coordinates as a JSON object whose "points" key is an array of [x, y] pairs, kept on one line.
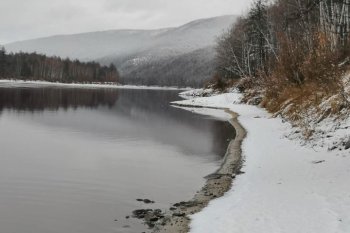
{"points": [[303, 86], [221, 84], [308, 105]]}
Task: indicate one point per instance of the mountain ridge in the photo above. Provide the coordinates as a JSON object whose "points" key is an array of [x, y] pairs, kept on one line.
{"points": [[132, 49]]}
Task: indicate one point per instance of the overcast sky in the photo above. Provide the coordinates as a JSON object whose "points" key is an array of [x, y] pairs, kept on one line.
{"points": [[26, 19]]}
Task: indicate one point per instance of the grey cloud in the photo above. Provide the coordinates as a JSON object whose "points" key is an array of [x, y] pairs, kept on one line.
{"points": [[20, 20]]}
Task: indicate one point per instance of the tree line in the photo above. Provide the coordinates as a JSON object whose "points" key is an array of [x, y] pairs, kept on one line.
{"points": [[287, 43], [33, 66]]}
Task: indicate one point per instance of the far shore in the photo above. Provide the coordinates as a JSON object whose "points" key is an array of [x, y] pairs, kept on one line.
{"points": [[217, 184], [16, 82]]}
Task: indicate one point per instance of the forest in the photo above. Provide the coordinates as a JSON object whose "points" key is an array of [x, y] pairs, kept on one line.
{"points": [[191, 69], [32, 66], [293, 50]]}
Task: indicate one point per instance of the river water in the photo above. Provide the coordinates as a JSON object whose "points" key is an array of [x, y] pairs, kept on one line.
{"points": [[74, 160]]}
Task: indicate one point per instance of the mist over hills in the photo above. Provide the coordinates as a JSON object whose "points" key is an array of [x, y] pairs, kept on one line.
{"points": [[180, 56]]}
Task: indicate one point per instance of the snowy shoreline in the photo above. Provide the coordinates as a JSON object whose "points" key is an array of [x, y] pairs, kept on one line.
{"points": [[15, 83], [217, 183], [286, 187]]}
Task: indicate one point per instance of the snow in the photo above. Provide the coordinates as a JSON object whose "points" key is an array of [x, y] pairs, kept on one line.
{"points": [[213, 113], [196, 93], [21, 83], [216, 101], [121, 44], [286, 187]]}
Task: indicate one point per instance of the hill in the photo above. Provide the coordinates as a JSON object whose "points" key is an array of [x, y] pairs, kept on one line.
{"points": [[140, 52]]}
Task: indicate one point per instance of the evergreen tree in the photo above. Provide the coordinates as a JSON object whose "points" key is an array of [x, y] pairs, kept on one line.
{"points": [[2, 61], [39, 67]]}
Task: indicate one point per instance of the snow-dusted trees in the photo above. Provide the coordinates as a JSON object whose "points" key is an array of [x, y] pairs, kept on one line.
{"points": [[245, 49], [39, 67], [288, 33], [335, 20], [233, 52], [258, 35], [2, 61]]}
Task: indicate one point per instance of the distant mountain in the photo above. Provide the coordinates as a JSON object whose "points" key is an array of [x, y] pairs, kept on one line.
{"points": [[173, 56], [188, 69]]}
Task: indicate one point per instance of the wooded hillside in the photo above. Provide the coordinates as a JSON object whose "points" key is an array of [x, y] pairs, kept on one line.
{"points": [[291, 57], [289, 54], [32, 66]]}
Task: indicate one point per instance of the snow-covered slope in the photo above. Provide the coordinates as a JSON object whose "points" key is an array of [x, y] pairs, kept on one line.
{"points": [[87, 46], [116, 43], [134, 50]]}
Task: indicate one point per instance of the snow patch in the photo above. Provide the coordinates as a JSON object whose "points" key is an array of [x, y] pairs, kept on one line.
{"points": [[286, 187]]}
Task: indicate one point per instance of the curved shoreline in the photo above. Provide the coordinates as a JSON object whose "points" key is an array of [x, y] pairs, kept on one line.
{"points": [[86, 85], [217, 184]]}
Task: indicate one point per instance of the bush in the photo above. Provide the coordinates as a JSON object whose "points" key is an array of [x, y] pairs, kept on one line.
{"points": [[300, 74], [220, 84]]}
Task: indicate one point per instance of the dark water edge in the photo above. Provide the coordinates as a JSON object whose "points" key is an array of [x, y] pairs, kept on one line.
{"points": [[76, 159]]}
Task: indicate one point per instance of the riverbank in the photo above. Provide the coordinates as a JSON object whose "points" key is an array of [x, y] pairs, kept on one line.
{"points": [[287, 186], [217, 184], [15, 83]]}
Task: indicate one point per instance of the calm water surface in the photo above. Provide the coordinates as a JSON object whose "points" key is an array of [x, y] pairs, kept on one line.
{"points": [[75, 160]]}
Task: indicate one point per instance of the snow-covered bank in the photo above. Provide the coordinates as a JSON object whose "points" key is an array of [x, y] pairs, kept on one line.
{"points": [[21, 83], [286, 187]]}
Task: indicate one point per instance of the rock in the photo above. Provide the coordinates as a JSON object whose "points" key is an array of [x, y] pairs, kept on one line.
{"points": [[213, 176], [347, 145], [179, 214], [240, 173], [177, 204], [255, 101], [147, 201], [318, 162], [141, 213], [157, 212], [186, 204], [154, 219], [150, 217]]}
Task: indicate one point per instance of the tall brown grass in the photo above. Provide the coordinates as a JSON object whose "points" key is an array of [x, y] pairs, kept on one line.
{"points": [[302, 76]]}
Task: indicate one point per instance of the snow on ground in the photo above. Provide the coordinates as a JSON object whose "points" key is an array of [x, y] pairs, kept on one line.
{"points": [[190, 94], [21, 83], [216, 101], [330, 131], [212, 113], [285, 188]]}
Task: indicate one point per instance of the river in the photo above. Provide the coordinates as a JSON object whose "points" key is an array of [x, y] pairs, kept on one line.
{"points": [[74, 160]]}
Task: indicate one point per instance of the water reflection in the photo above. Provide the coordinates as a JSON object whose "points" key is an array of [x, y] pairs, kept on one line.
{"points": [[121, 115], [35, 99]]}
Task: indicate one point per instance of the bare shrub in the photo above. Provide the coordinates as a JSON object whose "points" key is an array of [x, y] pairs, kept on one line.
{"points": [[300, 75], [221, 84]]}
